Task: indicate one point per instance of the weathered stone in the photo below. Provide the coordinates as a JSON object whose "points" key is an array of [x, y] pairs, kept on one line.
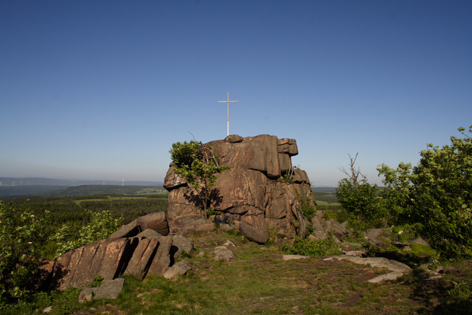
{"points": [[161, 260], [224, 254], [258, 153], [248, 189], [116, 256], [420, 241], [173, 180], [140, 262], [294, 257], [285, 163], [86, 295], [182, 202], [46, 272], [78, 267], [336, 228], [148, 233], [374, 234], [229, 243], [179, 268], [385, 277], [239, 187], [156, 221], [189, 224], [110, 289], [255, 228], [128, 230], [234, 139], [182, 244], [380, 262]]}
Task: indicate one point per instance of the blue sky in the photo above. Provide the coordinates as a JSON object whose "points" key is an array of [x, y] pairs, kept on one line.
{"points": [[101, 89]]}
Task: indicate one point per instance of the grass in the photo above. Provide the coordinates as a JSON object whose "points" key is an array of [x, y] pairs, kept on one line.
{"points": [[260, 282]]}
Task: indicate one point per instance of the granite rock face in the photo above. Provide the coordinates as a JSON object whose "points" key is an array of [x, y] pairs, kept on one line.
{"points": [[260, 190], [127, 252]]}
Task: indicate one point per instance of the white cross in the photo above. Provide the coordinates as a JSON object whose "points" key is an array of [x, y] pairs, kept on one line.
{"points": [[228, 101]]}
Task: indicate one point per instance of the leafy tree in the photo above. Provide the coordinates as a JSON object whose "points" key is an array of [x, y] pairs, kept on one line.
{"points": [[359, 198], [197, 163], [21, 237], [101, 226], [436, 195]]}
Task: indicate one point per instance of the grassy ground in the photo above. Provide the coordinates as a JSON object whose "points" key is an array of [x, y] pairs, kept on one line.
{"points": [[260, 282]]}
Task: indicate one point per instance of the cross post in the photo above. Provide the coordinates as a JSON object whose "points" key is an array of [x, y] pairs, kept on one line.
{"points": [[228, 101]]}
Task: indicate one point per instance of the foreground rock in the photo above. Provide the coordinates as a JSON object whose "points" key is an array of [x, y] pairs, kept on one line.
{"points": [[397, 269], [108, 290], [260, 190], [137, 253]]}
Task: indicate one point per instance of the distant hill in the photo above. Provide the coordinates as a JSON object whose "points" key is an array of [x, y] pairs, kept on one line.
{"points": [[28, 181], [8, 192]]}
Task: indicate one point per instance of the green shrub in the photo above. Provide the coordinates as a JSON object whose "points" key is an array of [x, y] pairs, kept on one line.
{"points": [[100, 227], [21, 237], [319, 247], [360, 200]]}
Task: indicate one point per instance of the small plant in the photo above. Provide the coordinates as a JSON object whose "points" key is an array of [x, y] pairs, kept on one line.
{"points": [[306, 206], [460, 291], [320, 247], [309, 229], [97, 282], [286, 178], [212, 211]]}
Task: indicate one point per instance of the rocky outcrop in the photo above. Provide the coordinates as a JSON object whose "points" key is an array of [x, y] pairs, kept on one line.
{"points": [[260, 190], [127, 251]]}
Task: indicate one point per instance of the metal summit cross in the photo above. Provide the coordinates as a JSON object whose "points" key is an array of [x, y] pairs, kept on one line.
{"points": [[228, 101]]}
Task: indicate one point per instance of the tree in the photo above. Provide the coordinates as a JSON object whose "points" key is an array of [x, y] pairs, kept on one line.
{"points": [[358, 197], [436, 195], [197, 163]]}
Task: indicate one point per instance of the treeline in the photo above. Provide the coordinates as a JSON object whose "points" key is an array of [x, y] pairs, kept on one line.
{"points": [[87, 190], [325, 196]]}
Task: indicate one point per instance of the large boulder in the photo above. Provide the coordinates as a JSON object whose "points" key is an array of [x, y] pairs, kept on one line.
{"points": [[78, 267], [147, 252], [260, 190]]}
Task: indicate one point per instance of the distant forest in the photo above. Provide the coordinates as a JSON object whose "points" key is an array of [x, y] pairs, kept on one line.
{"points": [[8, 192]]}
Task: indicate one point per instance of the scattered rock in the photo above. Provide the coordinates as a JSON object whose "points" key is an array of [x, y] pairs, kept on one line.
{"points": [[420, 241], [182, 244], [86, 295], [294, 257], [359, 253], [388, 276], [179, 268], [397, 269], [47, 309], [109, 289], [228, 243], [224, 254]]}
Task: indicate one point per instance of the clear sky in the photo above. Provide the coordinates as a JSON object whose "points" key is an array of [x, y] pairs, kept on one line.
{"points": [[101, 89]]}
